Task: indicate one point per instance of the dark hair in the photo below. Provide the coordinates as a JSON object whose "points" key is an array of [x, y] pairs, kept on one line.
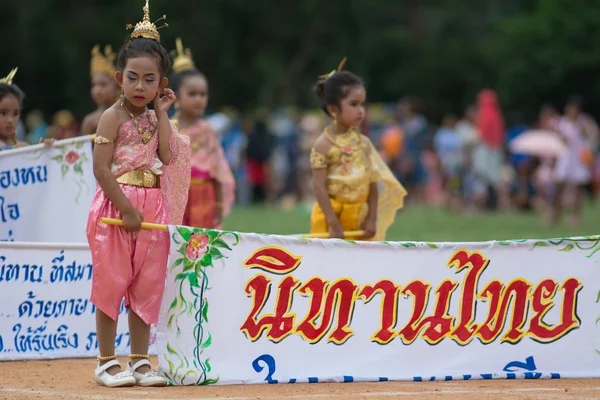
{"points": [[140, 47], [576, 101], [14, 90], [178, 78], [331, 91]]}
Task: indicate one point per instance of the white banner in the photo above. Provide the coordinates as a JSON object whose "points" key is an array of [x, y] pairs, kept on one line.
{"points": [[45, 310], [253, 309], [45, 194]]}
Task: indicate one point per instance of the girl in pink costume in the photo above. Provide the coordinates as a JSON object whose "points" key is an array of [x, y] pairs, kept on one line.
{"points": [[142, 167], [212, 186]]}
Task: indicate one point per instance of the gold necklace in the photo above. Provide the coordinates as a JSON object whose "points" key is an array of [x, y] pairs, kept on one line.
{"points": [[145, 133]]}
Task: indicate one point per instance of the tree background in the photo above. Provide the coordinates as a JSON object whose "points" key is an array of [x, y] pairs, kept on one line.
{"points": [[268, 53]]}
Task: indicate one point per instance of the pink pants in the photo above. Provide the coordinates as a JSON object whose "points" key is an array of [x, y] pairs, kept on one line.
{"points": [[130, 265]]}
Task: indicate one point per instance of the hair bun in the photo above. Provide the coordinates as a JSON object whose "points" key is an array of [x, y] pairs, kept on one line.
{"points": [[320, 88]]}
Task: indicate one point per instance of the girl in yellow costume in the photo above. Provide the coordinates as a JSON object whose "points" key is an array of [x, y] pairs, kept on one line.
{"points": [[355, 190]]}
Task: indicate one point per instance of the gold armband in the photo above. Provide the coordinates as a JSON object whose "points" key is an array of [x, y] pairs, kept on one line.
{"points": [[317, 160], [102, 140]]}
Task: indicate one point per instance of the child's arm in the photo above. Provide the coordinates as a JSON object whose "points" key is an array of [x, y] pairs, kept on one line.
{"points": [[87, 126], [370, 227], [218, 202], [103, 154], [161, 107], [319, 174]]}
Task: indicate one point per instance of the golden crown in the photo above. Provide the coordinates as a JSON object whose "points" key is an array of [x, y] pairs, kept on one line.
{"points": [[9, 78], [339, 69], [183, 58], [103, 62], [145, 28]]}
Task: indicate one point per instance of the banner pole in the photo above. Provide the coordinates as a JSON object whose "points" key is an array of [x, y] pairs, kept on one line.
{"points": [[161, 227]]}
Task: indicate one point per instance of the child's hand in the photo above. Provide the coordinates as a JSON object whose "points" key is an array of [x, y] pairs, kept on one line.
{"points": [[47, 142], [163, 103], [218, 215], [370, 227], [336, 231], [132, 221]]}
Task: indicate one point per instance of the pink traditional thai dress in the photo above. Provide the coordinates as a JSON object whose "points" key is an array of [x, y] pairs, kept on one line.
{"points": [[208, 164], [134, 265]]}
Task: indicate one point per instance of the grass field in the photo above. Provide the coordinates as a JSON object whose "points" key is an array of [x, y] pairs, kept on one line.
{"points": [[420, 223]]}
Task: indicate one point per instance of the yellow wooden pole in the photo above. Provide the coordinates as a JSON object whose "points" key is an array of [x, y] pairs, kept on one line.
{"points": [[161, 227], [326, 235], [145, 225]]}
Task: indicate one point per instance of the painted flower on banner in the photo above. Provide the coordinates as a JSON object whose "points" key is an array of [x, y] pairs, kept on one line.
{"points": [[72, 159], [198, 250], [197, 246]]}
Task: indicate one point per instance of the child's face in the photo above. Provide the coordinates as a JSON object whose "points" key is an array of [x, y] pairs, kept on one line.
{"points": [[193, 96], [105, 90], [353, 107], [10, 111], [141, 80]]}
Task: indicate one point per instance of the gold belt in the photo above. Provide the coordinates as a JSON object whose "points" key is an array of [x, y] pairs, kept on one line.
{"points": [[198, 181], [137, 178]]}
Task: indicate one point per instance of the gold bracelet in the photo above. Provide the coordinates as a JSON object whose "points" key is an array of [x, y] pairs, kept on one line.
{"points": [[107, 358], [146, 356]]}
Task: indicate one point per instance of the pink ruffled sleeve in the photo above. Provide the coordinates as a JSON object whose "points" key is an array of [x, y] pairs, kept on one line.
{"points": [[175, 182]]}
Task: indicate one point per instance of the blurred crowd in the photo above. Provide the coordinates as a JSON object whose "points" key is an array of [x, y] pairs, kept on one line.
{"points": [[464, 162]]}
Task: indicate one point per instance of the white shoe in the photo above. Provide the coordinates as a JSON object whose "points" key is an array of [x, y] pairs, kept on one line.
{"points": [[122, 379], [149, 379]]}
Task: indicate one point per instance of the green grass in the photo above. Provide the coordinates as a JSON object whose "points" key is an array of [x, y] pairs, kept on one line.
{"points": [[419, 223]]}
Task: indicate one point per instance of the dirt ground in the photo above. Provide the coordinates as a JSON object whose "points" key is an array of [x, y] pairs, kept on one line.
{"points": [[73, 379]]}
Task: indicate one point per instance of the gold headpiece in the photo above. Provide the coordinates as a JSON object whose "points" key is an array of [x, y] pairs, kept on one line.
{"points": [[9, 78], [183, 59], [103, 62], [339, 68], [145, 28]]}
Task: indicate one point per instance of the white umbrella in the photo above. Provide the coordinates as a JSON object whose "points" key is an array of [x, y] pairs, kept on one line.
{"points": [[538, 143]]}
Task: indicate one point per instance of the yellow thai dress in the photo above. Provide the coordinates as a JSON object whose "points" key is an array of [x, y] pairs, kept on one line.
{"points": [[352, 164]]}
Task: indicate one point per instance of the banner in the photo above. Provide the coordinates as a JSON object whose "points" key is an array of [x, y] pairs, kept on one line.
{"points": [[45, 310], [247, 308], [45, 194]]}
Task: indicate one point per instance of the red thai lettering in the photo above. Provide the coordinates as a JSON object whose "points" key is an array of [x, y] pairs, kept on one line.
{"points": [[389, 308]]}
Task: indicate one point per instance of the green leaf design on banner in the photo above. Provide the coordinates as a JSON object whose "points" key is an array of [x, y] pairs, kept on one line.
{"points": [[64, 169], [540, 244], [222, 244], [206, 260], [177, 263], [184, 232], [212, 235], [208, 342], [409, 245], [193, 278], [504, 243], [598, 297], [170, 349], [205, 311], [432, 245], [208, 366], [190, 372], [77, 168], [567, 248], [209, 382], [173, 304], [188, 265]]}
